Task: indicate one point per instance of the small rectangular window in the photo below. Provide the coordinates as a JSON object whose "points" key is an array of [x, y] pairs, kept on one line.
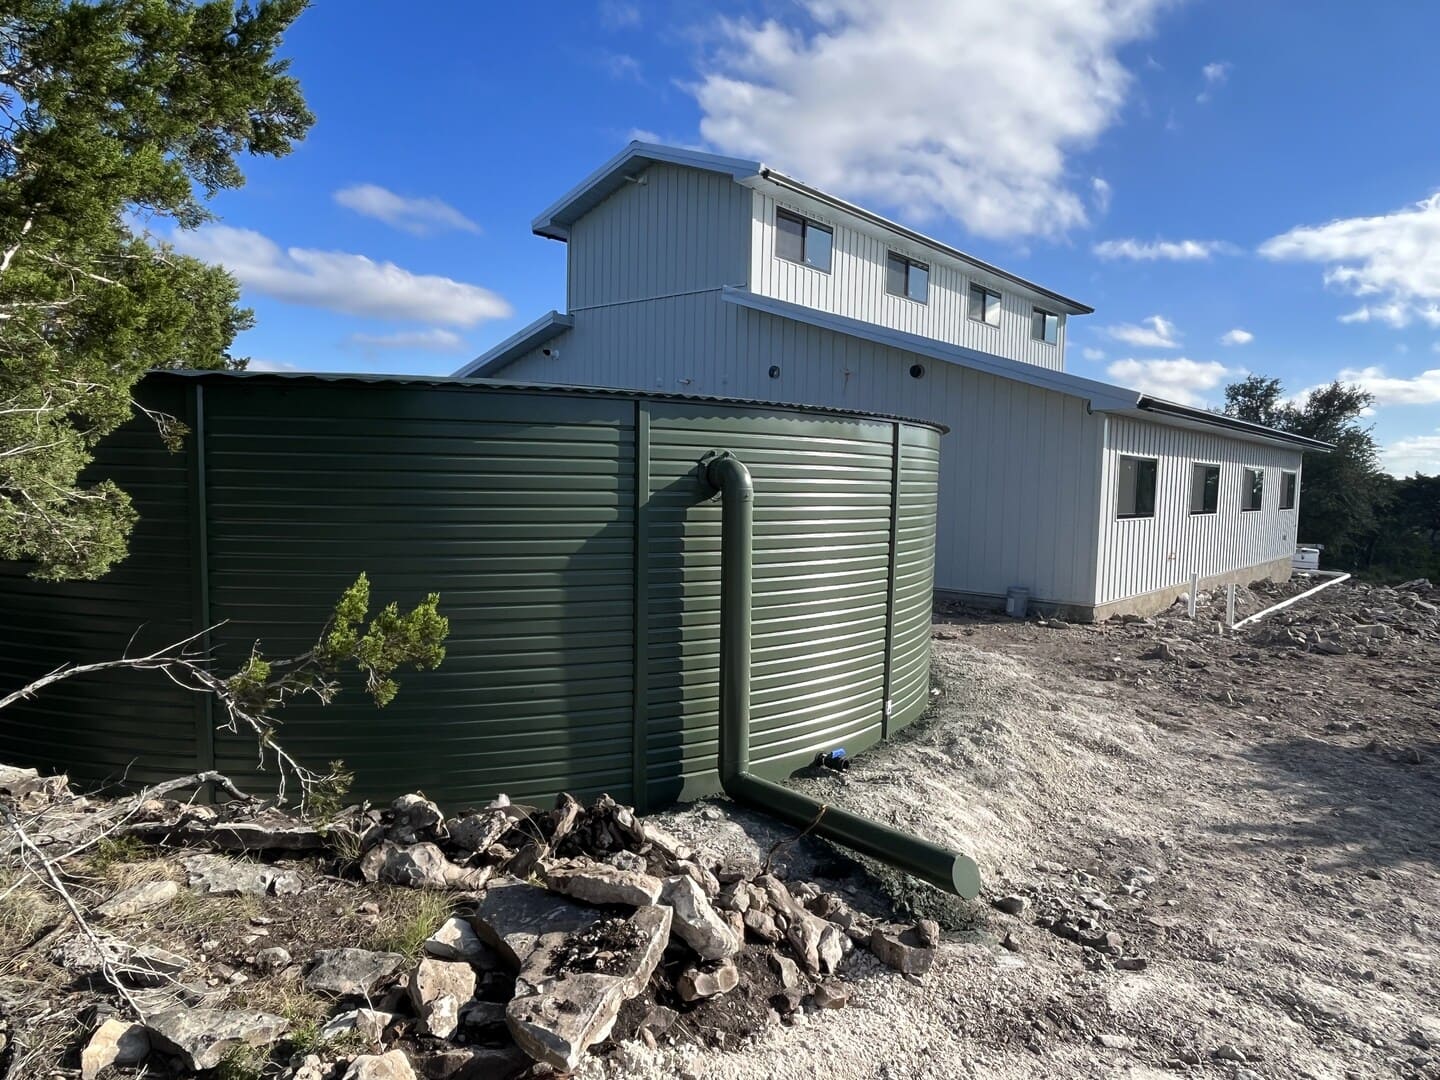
{"points": [[984, 305], [1289, 486], [1252, 494], [800, 240], [1136, 495], [906, 277], [1045, 326], [1204, 488]]}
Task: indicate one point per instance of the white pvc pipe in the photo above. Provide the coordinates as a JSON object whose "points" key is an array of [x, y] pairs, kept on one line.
{"points": [[1335, 578]]}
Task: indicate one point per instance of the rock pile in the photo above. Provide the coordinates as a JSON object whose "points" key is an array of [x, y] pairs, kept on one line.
{"points": [[572, 925], [1376, 620]]}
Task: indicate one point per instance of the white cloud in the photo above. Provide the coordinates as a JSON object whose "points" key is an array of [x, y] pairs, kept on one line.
{"points": [[1177, 250], [930, 107], [415, 340], [1156, 332], [618, 15], [271, 365], [1418, 453], [621, 66], [1394, 258], [1421, 389], [340, 281], [420, 216], [1093, 354], [1184, 381], [1102, 192], [1215, 76], [1236, 337]]}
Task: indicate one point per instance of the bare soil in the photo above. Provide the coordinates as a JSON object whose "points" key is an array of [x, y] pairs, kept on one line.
{"points": [[1259, 824]]}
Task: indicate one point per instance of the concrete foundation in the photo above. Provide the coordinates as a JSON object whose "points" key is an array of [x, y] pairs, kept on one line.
{"points": [[1149, 603]]}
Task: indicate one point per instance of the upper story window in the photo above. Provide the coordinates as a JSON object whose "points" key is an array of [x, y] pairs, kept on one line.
{"points": [[1289, 485], [803, 241], [1204, 488], [984, 305], [1135, 497], [1045, 326], [1252, 492], [906, 277]]}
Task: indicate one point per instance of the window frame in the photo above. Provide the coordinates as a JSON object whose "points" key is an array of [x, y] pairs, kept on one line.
{"points": [[909, 264], [1154, 487], [806, 224], [1219, 478], [1246, 488], [1289, 487], [985, 291], [1037, 312]]}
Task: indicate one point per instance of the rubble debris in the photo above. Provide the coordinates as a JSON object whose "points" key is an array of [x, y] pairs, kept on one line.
{"points": [[831, 994], [203, 1037], [216, 875], [273, 958], [513, 915], [456, 940], [419, 866], [906, 951], [393, 1065], [438, 988], [134, 965], [136, 899], [708, 981], [115, 1042], [697, 922], [343, 973], [599, 883]]}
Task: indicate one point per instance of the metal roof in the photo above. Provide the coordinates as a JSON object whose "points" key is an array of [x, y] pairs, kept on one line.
{"points": [[507, 386], [555, 221], [549, 326], [1101, 397]]}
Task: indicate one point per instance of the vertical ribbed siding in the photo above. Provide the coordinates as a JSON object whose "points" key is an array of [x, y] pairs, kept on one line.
{"points": [[135, 725], [822, 518], [855, 287], [679, 230], [1142, 555], [519, 511], [1021, 467], [914, 574]]}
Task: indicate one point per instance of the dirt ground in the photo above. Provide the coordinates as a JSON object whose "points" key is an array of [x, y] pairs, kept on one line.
{"points": [[1260, 825]]}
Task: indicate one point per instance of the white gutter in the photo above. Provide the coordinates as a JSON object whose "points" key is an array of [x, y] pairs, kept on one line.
{"points": [[1335, 578]]}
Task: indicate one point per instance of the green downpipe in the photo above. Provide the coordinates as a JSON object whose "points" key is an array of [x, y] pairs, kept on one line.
{"points": [[939, 866]]}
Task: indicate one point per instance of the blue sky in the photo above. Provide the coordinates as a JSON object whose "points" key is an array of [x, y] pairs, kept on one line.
{"points": [[1234, 187]]}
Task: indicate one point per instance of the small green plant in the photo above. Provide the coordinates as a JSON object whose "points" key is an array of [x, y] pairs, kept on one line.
{"points": [[114, 850], [413, 915], [327, 798], [243, 1063]]}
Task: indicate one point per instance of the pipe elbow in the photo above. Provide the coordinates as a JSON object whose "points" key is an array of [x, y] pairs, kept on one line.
{"points": [[728, 475]]}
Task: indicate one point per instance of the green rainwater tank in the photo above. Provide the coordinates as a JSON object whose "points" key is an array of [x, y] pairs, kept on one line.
{"points": [[576, 553]]}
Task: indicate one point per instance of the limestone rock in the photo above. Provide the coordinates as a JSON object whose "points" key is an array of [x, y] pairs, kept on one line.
{"points": [[904, 951], [115, 1042], [697, 923], [216, 875], [414, 818], [831, 994], [761, 924], [474, 1063], [369, 1024], [696, 984], [203, 1037], [274, 958], [438, 988], [477, 830], [513, 915], [138, 898], [350, 972], [456, 940], [786, 970], [597, 883], [419, 866], [135, 966], [392, 1066], [1011, 905]]}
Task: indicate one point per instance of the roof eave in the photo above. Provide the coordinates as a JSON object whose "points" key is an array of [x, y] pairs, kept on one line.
{"points": [[549, 326], [1232, 424]]}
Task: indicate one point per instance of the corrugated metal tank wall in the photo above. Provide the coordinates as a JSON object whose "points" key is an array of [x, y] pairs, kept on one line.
{"points": [[577, 557]]}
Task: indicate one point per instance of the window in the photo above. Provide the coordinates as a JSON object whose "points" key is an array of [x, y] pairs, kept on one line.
{"points": [[1204, 488], [1045, 326], [803, 241], [1253, 493], [906, 277], [984, 305], [1289, 483], [1137, 487]]}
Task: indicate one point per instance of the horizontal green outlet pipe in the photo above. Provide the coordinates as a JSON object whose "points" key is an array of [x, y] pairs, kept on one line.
{"points": [[939, 866]]}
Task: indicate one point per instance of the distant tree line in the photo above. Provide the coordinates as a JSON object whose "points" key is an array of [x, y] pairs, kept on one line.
{"points": [[1369, 522]]}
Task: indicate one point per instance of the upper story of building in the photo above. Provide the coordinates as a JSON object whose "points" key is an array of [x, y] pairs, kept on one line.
{"points": [[657, 222]]}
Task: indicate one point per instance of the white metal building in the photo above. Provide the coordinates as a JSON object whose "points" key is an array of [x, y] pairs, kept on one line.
{"points": [[702, 274]]}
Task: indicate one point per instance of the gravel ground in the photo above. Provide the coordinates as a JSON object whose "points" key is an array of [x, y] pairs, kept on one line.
{"points": [[1260, 826]]}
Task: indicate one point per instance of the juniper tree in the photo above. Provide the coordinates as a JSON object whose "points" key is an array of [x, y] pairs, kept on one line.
{"points": [[115, 114]]}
